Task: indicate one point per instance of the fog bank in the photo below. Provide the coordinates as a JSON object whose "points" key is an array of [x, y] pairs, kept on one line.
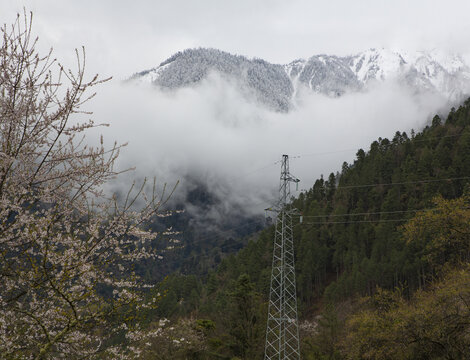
{"points": [[214, 134]]}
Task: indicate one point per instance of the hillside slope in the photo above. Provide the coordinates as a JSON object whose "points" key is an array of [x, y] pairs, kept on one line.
{"points": [[351, 241]]}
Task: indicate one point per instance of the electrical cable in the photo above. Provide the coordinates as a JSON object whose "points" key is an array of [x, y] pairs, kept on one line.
{"points": [[253, 222], [352, 149], [364, 214], [355, 221], [402, 183]]}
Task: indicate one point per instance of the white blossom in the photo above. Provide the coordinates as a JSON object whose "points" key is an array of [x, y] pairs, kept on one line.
{"points": [[60, 236]]}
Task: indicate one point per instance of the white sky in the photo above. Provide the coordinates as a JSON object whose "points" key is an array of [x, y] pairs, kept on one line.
{"points": [[211, 130], [123, 37]]}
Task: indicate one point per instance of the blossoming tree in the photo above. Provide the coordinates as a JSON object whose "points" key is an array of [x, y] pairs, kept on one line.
{"points": [[65, 248]]}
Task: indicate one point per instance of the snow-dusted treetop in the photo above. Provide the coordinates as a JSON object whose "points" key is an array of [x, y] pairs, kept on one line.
{"points": [[276, 85]]}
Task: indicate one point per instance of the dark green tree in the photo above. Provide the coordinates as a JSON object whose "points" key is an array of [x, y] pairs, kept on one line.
{"points": [[246, 320]]}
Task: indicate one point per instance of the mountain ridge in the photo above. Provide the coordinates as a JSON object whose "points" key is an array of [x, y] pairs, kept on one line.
{"points": [[276, 86]]}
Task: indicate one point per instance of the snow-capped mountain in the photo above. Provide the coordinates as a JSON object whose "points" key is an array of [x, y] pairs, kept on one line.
{"points": [[277, 85], [334, 76], [269, 83]]}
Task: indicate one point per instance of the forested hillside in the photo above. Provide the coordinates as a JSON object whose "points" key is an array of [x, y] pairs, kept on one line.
{"points": [[387, 221], [267, 83]]}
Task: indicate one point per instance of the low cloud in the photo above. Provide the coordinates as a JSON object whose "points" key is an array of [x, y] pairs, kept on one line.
{"points": [[213, 134]]}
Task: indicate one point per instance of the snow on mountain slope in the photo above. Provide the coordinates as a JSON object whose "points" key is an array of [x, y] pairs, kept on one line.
{"points": [[278, 86], [377, 65], [324, 74], [434, 71], [269, 83]]}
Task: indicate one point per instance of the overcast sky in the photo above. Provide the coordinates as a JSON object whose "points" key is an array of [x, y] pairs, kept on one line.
{"points": [[211, 130], [123, 37]]}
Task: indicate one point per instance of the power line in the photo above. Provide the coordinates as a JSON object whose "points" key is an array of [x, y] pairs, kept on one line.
{"points": [[352, 149], [270, 164], [324, 153], [403, 183], [221, 233], [355, 221], [369, 221], [260, 221], [434, 137], [365, 213], [264, 167]]}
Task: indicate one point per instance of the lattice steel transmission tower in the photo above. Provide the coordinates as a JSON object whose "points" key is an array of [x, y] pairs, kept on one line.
{"points": [[282, 331]]}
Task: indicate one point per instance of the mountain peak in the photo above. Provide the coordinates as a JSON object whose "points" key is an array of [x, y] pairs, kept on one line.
{"points": [[268, 82], [277, 85]]}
